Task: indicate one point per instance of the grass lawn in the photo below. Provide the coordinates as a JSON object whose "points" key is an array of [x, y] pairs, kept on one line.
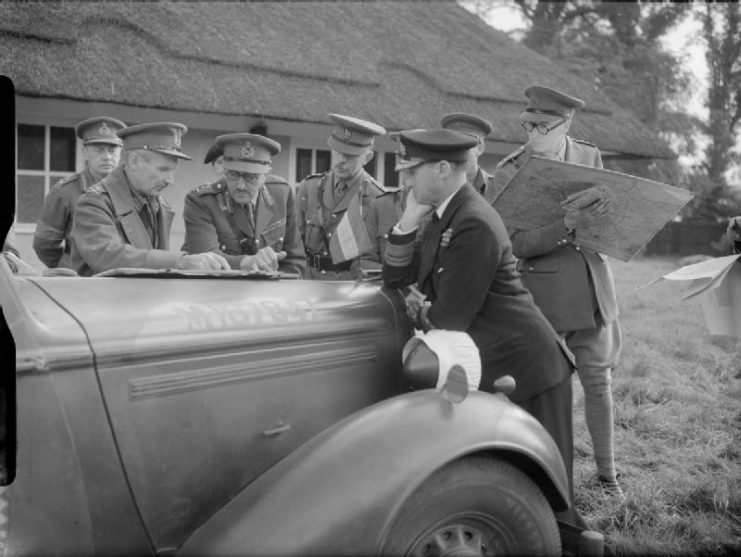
{"points": [[677, 393]]}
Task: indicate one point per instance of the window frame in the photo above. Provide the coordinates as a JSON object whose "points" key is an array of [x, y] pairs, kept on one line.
{"points": [[50, 176]]}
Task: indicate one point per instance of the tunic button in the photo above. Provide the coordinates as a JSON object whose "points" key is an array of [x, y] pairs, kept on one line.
{"points": [[531, 268], [577, 248], [257, 242], [325, 253]]}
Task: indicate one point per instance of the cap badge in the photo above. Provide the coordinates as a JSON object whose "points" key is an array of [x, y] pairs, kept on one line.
{"points": [[347, 134], [104, 129], [178, 136], [248, 150]]}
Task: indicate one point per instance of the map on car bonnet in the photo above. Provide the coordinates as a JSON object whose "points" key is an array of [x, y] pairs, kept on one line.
{"points": [[638, 207], [178, 273]]}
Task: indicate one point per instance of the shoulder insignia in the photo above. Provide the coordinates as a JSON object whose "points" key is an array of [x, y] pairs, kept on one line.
{"points": [[372, 181], [209, 189], [68, 180], [317, 176], [583, 142], [97, 189], [513, 156], [275, 179]]}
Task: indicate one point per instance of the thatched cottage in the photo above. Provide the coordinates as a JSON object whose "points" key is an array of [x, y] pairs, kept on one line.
{"points": [[225, 67]]}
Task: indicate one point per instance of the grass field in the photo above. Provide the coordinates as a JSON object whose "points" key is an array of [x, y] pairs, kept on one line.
{"points": [[677, 393]]}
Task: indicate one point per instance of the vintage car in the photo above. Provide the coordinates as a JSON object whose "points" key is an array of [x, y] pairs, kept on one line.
{"points": [[176, 413]]}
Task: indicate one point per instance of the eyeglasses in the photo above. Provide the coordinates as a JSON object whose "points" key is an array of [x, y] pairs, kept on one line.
{"points": [[542, 128], [234, 176]]}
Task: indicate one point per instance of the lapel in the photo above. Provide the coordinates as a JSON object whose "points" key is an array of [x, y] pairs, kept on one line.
{"points": [[117, 186], [352, 190], [431, 247], [165, 221], [264, 210]]}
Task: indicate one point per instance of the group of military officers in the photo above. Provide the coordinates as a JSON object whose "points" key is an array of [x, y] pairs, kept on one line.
{"points": [[342, 223], [333, 226]]}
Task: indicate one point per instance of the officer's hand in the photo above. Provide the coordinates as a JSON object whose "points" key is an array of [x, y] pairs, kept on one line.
{"points": [[585, 217], [414, 212], [203, 262], [265, 260]]}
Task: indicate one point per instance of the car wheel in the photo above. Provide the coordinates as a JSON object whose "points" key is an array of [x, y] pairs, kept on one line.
{"points": [[475, 506]]}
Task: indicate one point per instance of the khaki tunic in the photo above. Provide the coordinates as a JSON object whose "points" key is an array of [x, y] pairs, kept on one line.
{"points": [[214, 222], [52, 238], [570, 284]]}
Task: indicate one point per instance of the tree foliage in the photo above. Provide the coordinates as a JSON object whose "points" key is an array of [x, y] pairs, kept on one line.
{"points": [[617, 47]]}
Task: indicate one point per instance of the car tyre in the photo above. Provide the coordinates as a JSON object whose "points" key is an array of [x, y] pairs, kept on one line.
{"points": [[475, 506]]}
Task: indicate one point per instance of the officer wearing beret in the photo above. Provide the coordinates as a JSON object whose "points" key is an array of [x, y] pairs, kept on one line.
{"points": [[466, 270], [247, 215], [215, 157], [101, 149], [572, 285], [480, 128], [332, 205], [123, 221]]}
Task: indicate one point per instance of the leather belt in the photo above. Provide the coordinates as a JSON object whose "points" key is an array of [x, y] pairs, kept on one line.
{"points": [[324, 263]]}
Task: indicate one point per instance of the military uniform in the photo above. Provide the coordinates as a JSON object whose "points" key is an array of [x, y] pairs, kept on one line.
{"points": [[466, 269], [320, 213], [51, 239], [115, 226], [332, 210], [571, 284], [214, 222], [112, 229]]}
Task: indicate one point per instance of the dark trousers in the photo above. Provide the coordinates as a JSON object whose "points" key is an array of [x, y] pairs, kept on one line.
{"points": [[553, 409]]}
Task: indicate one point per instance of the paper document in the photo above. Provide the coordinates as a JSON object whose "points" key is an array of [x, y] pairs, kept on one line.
{"points": [[638, 208]]}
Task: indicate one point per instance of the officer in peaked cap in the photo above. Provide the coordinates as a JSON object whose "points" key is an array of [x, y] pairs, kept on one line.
{"points": [[465, 268], [247, 215], [383, 213], [333, 205], [123, 221], [215, 157], [101, 149], [572, 284], [480, 128]]}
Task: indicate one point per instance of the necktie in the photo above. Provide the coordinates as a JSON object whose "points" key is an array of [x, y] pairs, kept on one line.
{"points": [[153, 208]]}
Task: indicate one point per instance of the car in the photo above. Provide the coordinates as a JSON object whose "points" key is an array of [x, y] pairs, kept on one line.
{"points": [[229, 413]]}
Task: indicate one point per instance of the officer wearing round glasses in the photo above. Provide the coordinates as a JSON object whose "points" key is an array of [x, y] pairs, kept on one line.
{"points": [[572, 285], [247, 215]]}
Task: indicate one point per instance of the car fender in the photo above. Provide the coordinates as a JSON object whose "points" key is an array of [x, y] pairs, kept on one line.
{"points": [[339, 492]]}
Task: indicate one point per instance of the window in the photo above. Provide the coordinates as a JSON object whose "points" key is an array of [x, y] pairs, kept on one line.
{"points": [[370, 166], [45, 155], [390, 176], [312, 161]]}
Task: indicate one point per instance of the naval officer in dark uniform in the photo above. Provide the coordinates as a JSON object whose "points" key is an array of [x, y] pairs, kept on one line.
{"points": [[101, 149], [466, 270], [332, 205], [247, 215]]}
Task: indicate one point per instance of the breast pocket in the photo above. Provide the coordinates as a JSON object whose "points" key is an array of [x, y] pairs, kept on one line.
{"points": [[274, 234]]}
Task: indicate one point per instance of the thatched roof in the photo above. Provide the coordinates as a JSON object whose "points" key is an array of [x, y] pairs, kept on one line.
{"points": [[401, 64]]}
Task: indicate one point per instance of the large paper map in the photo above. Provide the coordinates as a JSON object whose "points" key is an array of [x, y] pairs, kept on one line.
{"points": [[638, 208]]}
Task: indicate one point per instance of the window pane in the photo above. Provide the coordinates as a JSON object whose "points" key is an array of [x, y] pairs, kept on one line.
{"points": [[390, 176], [370, 167], [62, 149], [30, 197], [303, 163], [30, 147], [323, 160]]}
